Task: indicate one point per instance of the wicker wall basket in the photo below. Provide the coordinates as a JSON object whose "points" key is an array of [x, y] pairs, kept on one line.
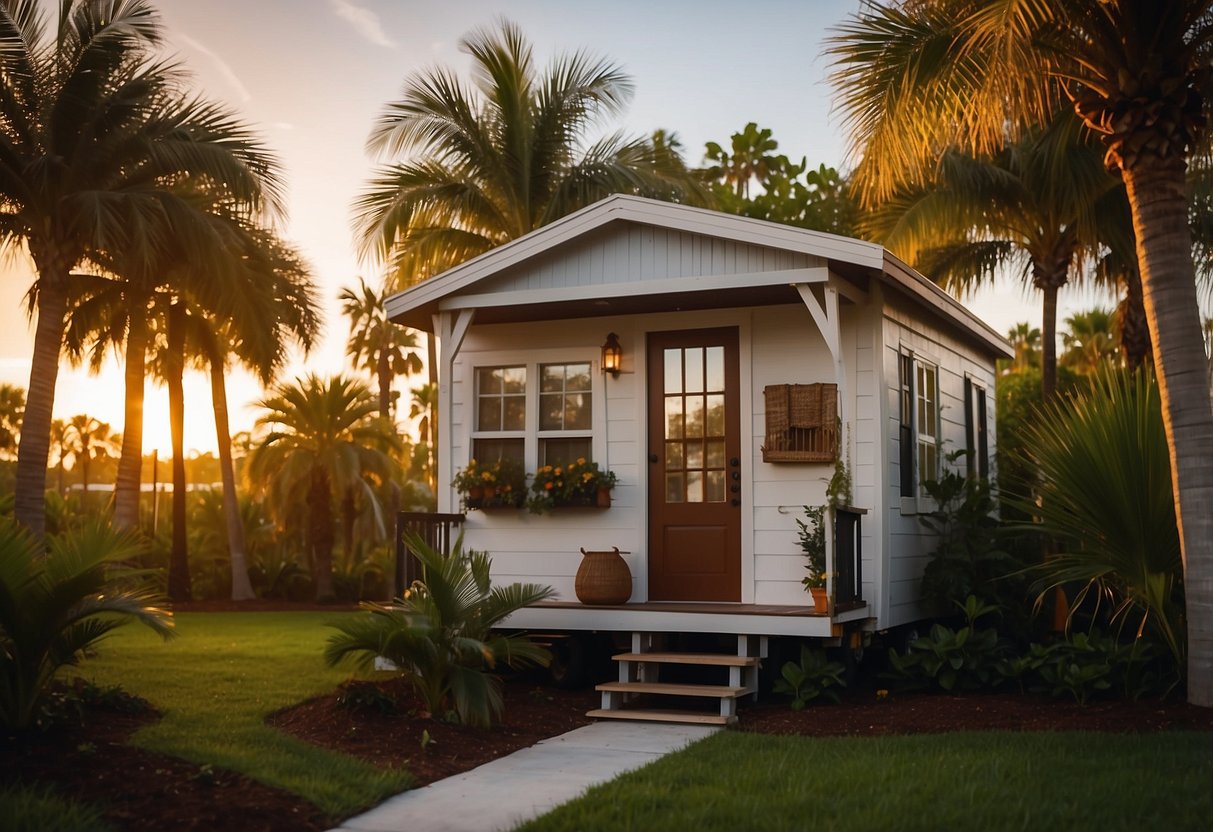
{"points": [[603, 579], [801, 423]]}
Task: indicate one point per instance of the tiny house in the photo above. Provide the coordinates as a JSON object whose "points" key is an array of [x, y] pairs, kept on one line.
{"points": [[725, 370]]}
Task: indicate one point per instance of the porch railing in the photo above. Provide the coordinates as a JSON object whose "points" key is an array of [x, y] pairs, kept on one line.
{"points": [[848, 554], [438, 531]]}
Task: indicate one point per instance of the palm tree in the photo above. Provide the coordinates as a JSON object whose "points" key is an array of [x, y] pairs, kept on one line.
{"points": [[324, 443], [96, 132], [931, 74], [752, 158], [424, 408], [377, 345], [1090, 341], [1025, 340], [12, 406], [1032, 206], [493, 161], [87, 440]]}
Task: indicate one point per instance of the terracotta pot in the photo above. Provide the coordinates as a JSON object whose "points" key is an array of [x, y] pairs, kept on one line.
{"points": [[603, 578], [820, 602], [604, 497]]}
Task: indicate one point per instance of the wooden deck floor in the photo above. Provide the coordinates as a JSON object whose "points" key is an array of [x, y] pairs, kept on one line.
{"points": [[700, 607]]}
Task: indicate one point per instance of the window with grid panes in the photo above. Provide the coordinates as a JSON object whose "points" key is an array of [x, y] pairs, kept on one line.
{"points": [[500, 430], [565, 413], [926, 422]]}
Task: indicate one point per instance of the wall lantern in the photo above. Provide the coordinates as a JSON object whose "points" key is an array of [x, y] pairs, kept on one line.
{"points": [[612, 355]]}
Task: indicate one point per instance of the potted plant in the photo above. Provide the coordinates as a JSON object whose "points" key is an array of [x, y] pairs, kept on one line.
{"points": [[579, 483], [813, 544], [470, 485]]}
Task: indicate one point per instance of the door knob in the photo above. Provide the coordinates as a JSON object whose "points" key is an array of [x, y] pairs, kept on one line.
{"points": [[735, 502], [653, 458]]}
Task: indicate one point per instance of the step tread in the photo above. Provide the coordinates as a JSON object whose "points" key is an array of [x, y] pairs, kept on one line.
{"points": [[663, 716], [717, 691], [716, 659]]}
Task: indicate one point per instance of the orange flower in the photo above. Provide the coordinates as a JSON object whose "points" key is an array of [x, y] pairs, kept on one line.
{"points": [[548, 486]]}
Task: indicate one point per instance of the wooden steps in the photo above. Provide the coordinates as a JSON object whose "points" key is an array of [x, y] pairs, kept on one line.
{"points": [[640, 669], [693, 717]]}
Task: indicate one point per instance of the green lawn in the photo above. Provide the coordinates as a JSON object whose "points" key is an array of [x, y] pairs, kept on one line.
{"points": [[216, 682], [966, 781]]}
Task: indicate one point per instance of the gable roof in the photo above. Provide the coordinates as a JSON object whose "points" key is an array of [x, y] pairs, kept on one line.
{"points": [[470, 283]]}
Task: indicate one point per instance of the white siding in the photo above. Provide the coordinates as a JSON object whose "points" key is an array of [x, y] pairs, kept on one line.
{"points": [[908, 541], [627, 252]]}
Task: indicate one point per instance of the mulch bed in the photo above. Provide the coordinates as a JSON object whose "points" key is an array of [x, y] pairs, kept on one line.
{"points": [[867, 715], [533, 712], [140, 790]]}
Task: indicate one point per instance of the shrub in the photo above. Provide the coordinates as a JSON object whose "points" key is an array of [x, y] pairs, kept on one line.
{"points": [[440, 633], [54, 606], [812, 678], [1104, 489], [964, 659], [968, 558]]}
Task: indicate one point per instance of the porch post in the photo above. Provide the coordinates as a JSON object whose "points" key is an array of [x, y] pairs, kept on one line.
{"points": [[451, 329]]}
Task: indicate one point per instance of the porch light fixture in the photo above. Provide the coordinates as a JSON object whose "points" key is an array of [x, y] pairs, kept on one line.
{"points": [[612, 355]]}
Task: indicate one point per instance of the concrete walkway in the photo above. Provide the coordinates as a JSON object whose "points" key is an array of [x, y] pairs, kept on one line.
{"points": [[504, 793]]}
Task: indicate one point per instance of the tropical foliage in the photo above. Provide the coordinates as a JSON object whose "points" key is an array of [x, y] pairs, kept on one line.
{"points": [[325, 451], [441, 633], [55, 605], [788, 192], [1104, 484], [920, 77], [102, 137]]}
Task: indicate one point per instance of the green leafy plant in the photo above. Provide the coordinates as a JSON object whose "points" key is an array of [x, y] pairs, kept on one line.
{"points": [[55, 605], [440, 634], [576, 483], [1084, 665], [967, 558], [965, 659], [812, 536], [813, 677], [366, 697], [1103, 491]]}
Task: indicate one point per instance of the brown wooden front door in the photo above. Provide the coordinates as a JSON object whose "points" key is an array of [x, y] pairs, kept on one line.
{"points": [[694, 466]]}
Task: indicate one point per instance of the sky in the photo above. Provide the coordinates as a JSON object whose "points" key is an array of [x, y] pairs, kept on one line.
{"points": [[312, 75]]}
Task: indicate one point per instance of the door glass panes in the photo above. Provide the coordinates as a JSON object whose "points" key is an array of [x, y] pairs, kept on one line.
{"points": [[695, 425], [500, 398]]}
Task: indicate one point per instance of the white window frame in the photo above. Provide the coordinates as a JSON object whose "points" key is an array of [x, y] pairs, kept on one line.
{"points": [[920, 502], [531, 360], [579, 433], [976, 426]]}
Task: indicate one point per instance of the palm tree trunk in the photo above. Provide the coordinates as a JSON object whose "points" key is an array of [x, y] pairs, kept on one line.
{"points": [[1160, 219], [320, 534], [84, 455], [242, 588], [130, 461], [1048, 344], [178, 559], [29, 505], [1134, 328]]}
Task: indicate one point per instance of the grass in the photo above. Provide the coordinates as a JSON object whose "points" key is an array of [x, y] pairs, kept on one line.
{"points": [[25, 809], [987, 781], [215, 684]]}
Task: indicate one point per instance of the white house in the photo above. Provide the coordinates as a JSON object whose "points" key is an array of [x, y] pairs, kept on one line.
{"points": [[739, 339]]}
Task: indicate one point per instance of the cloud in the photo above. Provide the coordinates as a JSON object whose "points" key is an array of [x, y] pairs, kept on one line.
{"points": [[364, 20], [223, 66]]}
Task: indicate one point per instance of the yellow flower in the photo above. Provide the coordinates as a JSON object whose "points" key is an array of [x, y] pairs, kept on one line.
{"points": [[882, 694], [587, 476], [581, 460], [558, 472]]}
